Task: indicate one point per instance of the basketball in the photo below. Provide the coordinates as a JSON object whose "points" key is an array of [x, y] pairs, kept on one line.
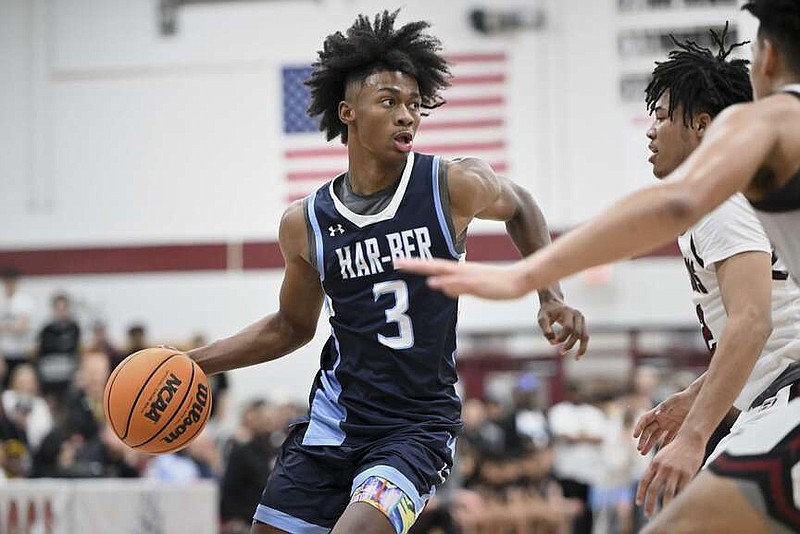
{"points": [[157, 400]]}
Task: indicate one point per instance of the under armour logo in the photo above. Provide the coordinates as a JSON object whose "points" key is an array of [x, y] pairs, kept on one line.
{"points": [[333, 230]]}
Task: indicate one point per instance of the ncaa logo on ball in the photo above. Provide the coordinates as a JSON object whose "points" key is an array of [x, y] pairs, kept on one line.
{"points": [[165, 394]]}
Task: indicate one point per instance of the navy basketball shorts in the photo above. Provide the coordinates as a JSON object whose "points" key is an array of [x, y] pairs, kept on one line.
{"points": [[762, 455], [311, 486]]}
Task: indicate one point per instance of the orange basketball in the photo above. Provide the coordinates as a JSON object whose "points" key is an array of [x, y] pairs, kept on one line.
{"points": [[157, 400]]}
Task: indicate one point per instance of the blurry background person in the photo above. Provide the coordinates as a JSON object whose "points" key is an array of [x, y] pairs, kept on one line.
{"points": [[249, 464], [23, 397], [137, 338], [16, 310], [82, 445], [526, 420], [578, 429], [100, 342], [59, 346], [14, 451]]}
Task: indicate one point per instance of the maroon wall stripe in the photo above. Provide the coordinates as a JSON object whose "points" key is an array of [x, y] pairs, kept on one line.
{"points": [[498, 247], [96, 260], [208, 257], [262, 255], [477, 57]]}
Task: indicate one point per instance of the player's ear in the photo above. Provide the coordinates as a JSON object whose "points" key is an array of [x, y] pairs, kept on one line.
{"points": [[770, 57], [702, 122], [347, 112]]}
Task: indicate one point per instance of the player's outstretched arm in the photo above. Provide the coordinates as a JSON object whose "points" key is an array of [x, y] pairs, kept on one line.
{"points": [[732, 151], [477, 192], [745, 282], [295, 322]]}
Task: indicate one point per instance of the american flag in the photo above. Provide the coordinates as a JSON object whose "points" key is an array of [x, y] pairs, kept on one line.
{"points": [[471, 123]]}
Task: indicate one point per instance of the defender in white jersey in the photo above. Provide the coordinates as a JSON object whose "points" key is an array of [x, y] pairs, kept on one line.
{"points": [[748, 308], [754, 148], [730, 231]]}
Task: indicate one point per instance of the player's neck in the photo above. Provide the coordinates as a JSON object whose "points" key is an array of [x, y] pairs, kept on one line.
{"points": [[783, 81], [368, 175]]}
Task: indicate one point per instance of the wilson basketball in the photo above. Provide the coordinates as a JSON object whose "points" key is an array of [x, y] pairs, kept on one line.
{"points": [[157, 400]]}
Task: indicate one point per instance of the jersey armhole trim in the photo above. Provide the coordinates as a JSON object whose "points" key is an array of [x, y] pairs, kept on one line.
{"points": [[445, 223], [316, 245], [310, 237]]}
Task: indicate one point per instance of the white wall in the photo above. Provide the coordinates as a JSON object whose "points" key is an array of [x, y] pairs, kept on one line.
{"points": [[115, 134]]}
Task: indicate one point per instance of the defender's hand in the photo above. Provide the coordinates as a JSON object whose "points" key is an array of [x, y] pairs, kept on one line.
{"points": [[660, 425], [458, 278], [670, 471]]}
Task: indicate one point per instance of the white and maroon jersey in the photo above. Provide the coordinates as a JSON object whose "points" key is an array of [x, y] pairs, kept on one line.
{"points": [[731, 229]]}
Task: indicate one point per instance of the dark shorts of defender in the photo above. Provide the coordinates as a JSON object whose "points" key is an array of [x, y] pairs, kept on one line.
{"points": [[310, 486]]}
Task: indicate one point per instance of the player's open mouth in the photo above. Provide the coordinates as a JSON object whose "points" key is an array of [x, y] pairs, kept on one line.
{"points": [[404, 141], [652, 157]]}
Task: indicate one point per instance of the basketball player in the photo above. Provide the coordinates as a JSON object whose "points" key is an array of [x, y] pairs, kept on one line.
{"points": [[750, 147], [380, 433], [740, 289]]}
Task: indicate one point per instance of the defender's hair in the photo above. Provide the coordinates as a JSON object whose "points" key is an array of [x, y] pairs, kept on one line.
{"points": [[779, 20], [367, 47], [698, 80]]}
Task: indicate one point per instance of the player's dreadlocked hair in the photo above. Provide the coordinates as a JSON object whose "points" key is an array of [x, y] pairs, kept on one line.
{"points": [[367, 47], [780, 21], [699, 80]]}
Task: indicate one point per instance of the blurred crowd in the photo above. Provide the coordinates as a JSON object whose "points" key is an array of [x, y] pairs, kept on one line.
{"points": [[570, 468], [52, 421], [523, 464]]}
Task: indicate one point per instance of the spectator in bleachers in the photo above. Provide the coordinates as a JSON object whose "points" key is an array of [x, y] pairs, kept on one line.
{"points": [[249, 464], [526, 420], [137, 339], [647, 388], [177, 467], [14, 451], [480, 430], [23, 397], [101, 343], [84, 406], [59, 347], [578, 428], [204, 452], [16, 311], [81, 444], [612, 495], [201, 459]]}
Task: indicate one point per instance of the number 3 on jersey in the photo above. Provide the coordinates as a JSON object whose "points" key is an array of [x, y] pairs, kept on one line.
{"points": [[396, 314]]}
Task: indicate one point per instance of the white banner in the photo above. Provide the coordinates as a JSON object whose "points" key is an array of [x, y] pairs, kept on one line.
{"points": [[53, 506]]}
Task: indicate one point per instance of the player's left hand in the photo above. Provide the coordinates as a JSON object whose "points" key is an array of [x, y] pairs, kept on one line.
{"points": [[573, 326], [458, 278], [670, 471]]}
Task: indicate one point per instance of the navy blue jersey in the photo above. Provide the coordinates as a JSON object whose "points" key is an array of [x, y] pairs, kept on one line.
{"points": [[389, 364]]}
